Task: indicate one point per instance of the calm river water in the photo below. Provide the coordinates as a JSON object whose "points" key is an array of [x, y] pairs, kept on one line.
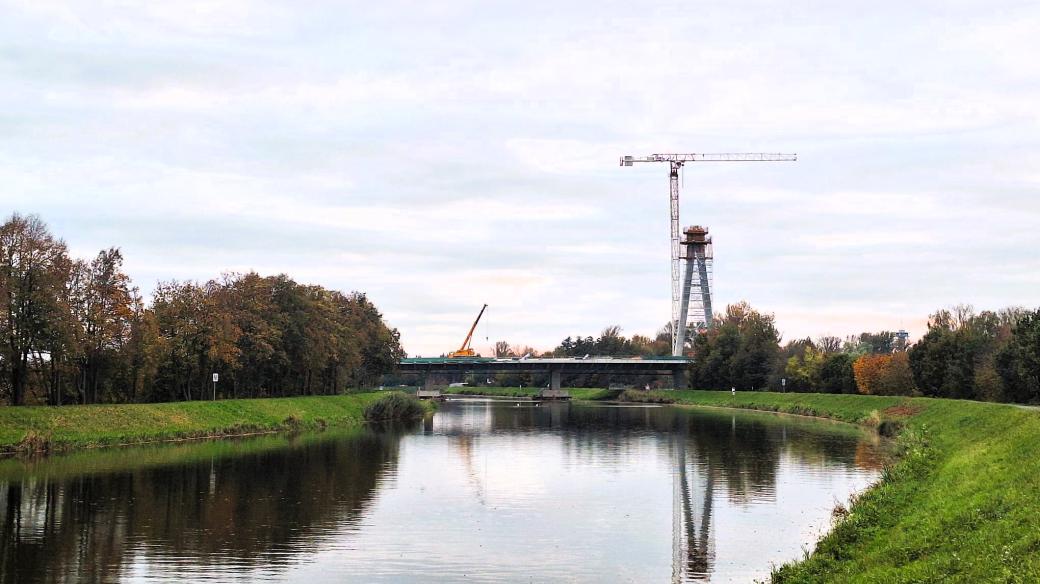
{"points": [[483, 492]]}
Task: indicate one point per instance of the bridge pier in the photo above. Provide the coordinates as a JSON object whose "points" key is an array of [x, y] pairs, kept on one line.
{"points": [[679, 379], [554, 391], [434, 381], [431, 386]]}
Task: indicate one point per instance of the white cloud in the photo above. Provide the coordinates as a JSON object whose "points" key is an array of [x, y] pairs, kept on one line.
{"points": [[439, 157]]}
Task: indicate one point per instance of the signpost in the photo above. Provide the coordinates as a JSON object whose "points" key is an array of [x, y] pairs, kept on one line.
{"points": [[783, 384], [216, 377]]}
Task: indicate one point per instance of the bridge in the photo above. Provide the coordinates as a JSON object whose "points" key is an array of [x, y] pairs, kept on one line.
{"points": [[435, 371]]}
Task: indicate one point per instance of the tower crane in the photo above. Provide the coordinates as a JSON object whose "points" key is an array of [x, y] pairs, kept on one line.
{"points": [[465, 350], [675, 163]]}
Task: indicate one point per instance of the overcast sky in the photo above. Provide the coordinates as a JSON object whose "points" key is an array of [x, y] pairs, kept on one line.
{"points": [[439, 155]]}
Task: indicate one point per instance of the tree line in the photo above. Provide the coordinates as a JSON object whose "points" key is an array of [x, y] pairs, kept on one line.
{"points": [[988, 355], [79, 331]]}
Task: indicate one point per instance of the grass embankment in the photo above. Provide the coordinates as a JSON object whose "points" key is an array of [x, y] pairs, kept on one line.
{"points": [[961, 503], [38, 428]]}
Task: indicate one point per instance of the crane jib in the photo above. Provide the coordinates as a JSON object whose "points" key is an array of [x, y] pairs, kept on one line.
{"points": [[464, 350], [716, 157]]}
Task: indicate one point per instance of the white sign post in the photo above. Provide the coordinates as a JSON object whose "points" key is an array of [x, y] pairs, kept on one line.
{"points": [[783, 384], [216, 377]]}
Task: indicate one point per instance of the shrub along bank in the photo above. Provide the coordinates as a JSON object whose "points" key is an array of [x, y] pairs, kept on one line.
{"points": [[39, 428], [394, 406]]}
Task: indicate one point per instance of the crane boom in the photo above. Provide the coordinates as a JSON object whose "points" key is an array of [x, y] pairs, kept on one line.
{"points": [[465, 350], [722, 157], [675, 163]]}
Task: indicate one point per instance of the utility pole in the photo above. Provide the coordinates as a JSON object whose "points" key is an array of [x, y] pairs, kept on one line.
{"points": [[675, 164]]}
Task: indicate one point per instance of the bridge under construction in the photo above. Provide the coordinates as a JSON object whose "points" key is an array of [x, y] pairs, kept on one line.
{"points": [[435, 372]]}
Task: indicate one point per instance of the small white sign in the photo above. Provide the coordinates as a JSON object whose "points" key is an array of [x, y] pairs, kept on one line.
{"points": [[216, 377]]}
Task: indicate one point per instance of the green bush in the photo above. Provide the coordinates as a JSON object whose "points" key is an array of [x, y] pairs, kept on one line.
{"points": [[394, 406], [644, 397]]}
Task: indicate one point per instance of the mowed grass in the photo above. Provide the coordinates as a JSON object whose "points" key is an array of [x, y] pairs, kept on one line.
{"points": [[54, 428]]}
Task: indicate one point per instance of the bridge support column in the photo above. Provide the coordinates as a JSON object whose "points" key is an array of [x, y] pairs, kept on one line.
{"points": [[432, 384], [679, 379], [554, 391], [435, 381]]}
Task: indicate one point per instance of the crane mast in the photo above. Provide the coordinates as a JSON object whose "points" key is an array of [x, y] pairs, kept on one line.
{"points": [[675, 164], [465, 350]]}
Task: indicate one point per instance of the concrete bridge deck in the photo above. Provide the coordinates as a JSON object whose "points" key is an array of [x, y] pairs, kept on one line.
{"points": [[436, 369]]}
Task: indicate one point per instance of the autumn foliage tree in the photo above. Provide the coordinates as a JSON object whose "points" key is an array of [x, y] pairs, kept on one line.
{"points": [[867, 370], [883, 374], [78, 331]]}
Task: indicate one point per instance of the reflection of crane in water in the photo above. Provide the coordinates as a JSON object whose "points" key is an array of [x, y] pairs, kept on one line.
{"points": [[693, 547], [465, 445]]}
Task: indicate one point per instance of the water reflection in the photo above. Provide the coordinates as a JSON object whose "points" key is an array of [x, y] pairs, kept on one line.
{"points": [[485, 492], [256, 508]]}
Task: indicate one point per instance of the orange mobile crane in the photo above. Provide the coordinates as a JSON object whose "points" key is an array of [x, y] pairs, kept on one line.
{"points": [[465, 350]]}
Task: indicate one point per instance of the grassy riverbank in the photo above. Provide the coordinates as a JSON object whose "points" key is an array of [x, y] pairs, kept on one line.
{"points": [[29, 428], [961, 504]]}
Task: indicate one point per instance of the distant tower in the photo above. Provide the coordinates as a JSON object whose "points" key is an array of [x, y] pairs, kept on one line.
{"points": [[902, 339], [695, 301]]}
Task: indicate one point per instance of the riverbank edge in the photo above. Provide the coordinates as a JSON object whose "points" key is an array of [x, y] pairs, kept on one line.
{"points": [[959, 503], [39, 429]]}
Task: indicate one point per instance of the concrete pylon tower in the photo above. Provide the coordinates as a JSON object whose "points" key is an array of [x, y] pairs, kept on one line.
{"points": [[695, 305]]}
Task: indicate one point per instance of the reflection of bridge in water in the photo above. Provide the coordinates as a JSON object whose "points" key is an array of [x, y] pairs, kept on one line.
{"points": [[436, 372]]}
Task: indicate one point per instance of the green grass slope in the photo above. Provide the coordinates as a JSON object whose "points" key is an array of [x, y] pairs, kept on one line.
{"points": [[29, 428]]}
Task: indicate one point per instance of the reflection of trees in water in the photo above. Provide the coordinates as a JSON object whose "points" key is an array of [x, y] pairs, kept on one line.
{"points": [[254, 509], [738, 454], [744, 451], [744, 454]]}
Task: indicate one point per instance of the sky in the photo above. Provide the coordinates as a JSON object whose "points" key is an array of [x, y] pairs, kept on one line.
{"points": [[442, 155]]}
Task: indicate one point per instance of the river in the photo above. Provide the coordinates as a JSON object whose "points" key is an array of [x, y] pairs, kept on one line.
{"points": [[482, 492]]}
